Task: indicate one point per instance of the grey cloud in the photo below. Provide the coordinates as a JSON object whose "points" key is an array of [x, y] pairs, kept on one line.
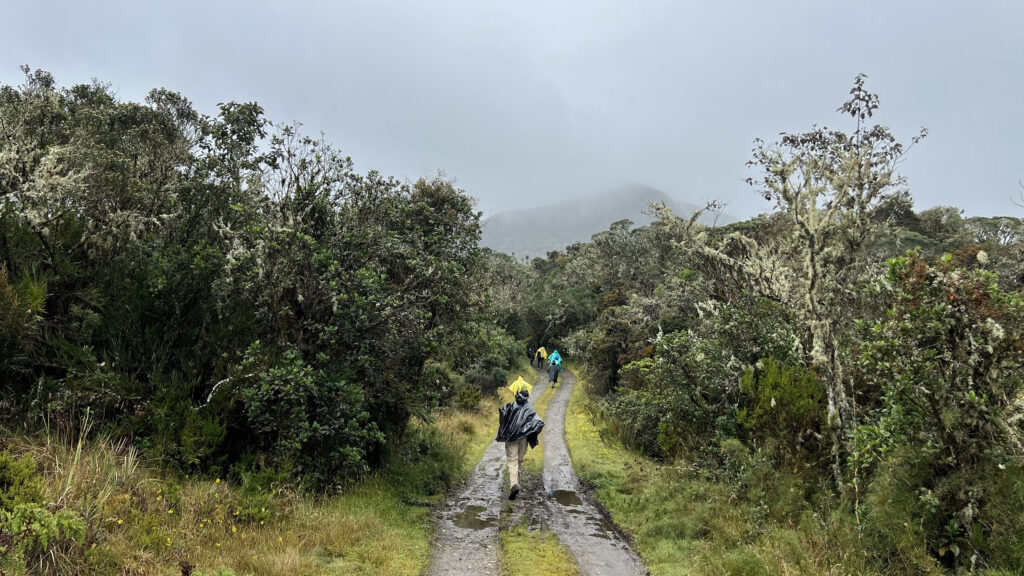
{"points": [[528, 102]]}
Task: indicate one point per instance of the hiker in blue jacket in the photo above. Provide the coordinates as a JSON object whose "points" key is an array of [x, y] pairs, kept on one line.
{"points": [[554, 369], [554, 366]]}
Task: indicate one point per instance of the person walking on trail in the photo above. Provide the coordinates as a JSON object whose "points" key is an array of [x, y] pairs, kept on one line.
{"points": [[554, 369], [542, 355], [530, 353], [554, 366], [518, 427]]}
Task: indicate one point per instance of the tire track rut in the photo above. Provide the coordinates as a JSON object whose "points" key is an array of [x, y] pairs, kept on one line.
{"points": [[588, 534], [466, 542]]}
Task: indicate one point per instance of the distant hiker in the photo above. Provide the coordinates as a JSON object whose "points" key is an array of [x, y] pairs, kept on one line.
{"points": [[518, 427], [542, 355], [555, 357], [530, 353], [554, 369]]}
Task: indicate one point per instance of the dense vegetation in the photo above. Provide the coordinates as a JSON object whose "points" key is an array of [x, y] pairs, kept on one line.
{"points": [[229, 298], [851, 353], [228, 294]]}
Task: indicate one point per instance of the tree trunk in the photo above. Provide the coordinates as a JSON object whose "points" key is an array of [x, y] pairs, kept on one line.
{"points": [[839, 416]]}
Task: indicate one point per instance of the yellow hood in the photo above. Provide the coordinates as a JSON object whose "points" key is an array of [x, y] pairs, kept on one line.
{"points": [[519, 385]]}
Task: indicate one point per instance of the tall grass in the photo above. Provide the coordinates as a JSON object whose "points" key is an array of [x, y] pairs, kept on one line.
{"points": [[142, 520], [685, 522]]}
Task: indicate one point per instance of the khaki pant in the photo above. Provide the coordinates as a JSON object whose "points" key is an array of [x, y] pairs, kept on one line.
{"points": [[515, 452]]}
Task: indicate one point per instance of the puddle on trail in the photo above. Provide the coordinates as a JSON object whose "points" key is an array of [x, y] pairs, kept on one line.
{"points": [[566, 497], [599, 526], [471, 519]]}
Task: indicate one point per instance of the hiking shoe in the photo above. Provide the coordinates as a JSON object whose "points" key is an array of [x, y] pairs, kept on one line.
{"points": [[513, 492]]}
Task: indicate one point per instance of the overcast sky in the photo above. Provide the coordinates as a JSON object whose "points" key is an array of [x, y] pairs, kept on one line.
{"points": [[527, 102]]}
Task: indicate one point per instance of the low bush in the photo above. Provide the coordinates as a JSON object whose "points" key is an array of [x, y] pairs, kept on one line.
{"points": [[28, 528], [782, 407], [20, 483], [302, 417], [948, 370], [681, 400]]}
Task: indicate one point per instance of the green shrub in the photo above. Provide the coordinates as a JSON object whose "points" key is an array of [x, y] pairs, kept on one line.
{"points": [[303, 417], [19, 482], [29, 530], [948, 365], [782, 405], [425, 463], [483, 379], [467, 397], [638, 419], [683, 399], [440, 382]]}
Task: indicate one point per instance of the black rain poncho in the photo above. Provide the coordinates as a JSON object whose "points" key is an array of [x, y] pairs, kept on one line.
{"points": [[554, 369], [519, 420]]}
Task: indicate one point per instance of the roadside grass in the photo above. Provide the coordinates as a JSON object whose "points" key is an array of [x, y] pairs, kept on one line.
{"points": [[683, 523], [526, 553], [141, 520]]}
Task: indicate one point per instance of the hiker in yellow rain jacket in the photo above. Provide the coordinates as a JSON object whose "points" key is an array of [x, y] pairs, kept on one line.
{"points": [[542, 355]]}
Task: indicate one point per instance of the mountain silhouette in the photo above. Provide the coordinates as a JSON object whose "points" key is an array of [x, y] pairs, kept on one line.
{"points": [[536, 231]]}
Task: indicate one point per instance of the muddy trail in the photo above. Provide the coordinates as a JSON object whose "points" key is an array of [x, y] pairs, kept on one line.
{"points": [[466, 543], [589, 535]]}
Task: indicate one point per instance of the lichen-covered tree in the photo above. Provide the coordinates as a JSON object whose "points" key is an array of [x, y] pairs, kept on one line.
{"points": [[827, 183], [153, 258]]}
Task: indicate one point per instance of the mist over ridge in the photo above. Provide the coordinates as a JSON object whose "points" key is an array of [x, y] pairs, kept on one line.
{"points": [[534, 231]]}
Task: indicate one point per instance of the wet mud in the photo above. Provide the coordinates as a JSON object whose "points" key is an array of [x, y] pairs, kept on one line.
{"points": [[588, 534], [466, 543], [466, 538]]}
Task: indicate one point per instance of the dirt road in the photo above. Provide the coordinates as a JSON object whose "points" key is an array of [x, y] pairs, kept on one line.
{"points": [[579, 525], [466, 543]]}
